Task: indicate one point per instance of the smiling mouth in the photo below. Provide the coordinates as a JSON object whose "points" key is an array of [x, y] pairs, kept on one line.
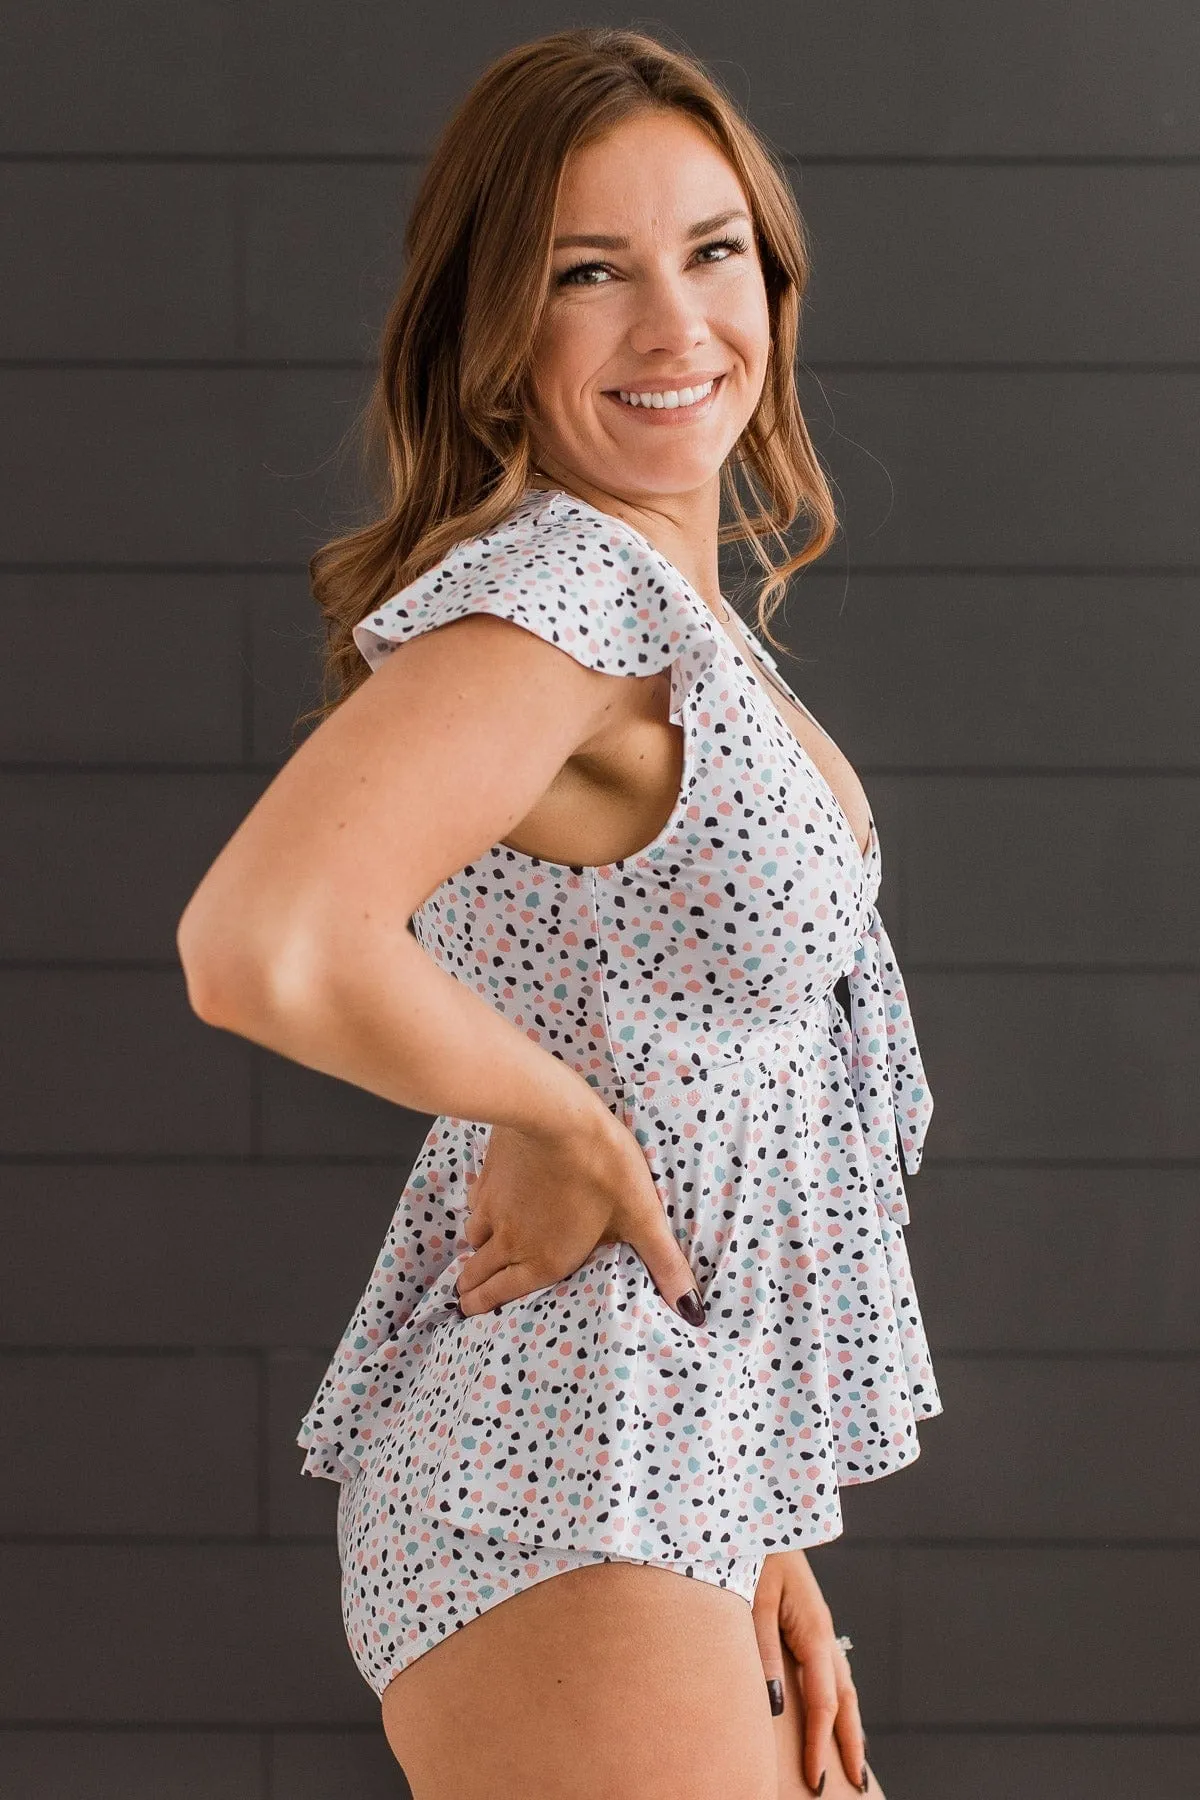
{"points": [[666, 399]]}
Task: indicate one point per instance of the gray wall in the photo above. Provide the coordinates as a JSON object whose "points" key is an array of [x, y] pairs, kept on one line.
{"points": [[204, 206]]}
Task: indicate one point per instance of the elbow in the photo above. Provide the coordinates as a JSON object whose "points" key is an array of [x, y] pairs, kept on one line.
{"points": [[203, 996], [203, 969], [241, 981], [225, 970]]}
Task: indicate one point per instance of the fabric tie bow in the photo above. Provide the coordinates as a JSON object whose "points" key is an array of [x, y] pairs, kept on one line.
{"points": [[886, 1073]]}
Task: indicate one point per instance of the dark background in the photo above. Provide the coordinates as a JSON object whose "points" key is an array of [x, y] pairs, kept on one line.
{"points": [[203, 208]]}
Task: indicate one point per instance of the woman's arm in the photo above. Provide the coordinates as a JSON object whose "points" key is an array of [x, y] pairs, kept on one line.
{"points": [[297, 936]]}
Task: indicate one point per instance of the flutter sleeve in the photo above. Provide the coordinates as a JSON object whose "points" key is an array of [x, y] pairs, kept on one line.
{"points": [[579, 578]]}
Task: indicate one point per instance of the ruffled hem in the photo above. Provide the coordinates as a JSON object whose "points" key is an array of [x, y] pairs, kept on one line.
{"points": [[590, 1415], [646, 1427]]}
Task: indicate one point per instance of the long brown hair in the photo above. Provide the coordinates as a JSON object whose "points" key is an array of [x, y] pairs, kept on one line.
{"points": [[443, 436]]}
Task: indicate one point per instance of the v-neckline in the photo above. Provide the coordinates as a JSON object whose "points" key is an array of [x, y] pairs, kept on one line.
{"points": [[756, 649], [746, 637]]}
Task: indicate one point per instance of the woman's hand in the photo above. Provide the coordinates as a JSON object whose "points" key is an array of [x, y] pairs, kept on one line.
{"points": [[789, 1608], [542, 1203]]}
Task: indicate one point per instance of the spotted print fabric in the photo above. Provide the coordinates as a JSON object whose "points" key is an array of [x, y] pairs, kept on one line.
{"points": [[692, 984], [409, 1581]]}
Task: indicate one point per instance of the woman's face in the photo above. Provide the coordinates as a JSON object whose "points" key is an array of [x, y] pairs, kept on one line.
{"points": [[657, 306]]}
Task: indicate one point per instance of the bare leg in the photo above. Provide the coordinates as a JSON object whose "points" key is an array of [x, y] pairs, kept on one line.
{"points": [[615, 1682]]}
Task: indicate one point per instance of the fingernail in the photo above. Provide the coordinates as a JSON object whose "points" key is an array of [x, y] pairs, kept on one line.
{"points": [[775, 1689], [692, 1307], [820, 1787], [862, 1786]]}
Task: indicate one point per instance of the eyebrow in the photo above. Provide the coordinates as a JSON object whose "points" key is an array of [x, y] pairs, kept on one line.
{"points": [[596, 240]]}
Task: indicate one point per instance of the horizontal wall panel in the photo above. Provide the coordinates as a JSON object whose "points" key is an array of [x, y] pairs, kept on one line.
{"points": [[926, 78], [287, 649], [1007, 1260], [907, 670], [994, 869], [87, 841], [115, 1063], [115, 260], [131, 1445], [140, 666], [125, 466], [204, 466], [1039, 1447], [311, 1765], [195, 1635], [944, 669], [303, 1112], [203, 1256], [265, 261], [83, 89], [151, 666], [1099, 1638], [112, 1764], [1067, 870], [934, 468], [1014, 469], [1081, 1260], [1075, 1066], [934, 79], [1017, 263], [1071, 1765], [324, 257]]}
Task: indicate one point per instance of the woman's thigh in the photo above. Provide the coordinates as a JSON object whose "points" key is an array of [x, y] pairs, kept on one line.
{"points": [[617, 1679]]}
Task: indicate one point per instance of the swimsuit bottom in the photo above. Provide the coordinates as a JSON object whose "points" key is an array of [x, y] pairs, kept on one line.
{"points": [[409, 1580]]}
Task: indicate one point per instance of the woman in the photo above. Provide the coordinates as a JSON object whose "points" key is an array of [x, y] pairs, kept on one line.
{"points": [[645, 1301]]}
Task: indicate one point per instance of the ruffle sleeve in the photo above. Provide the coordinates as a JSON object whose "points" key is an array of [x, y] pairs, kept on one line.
{"points": [[578, 578]]}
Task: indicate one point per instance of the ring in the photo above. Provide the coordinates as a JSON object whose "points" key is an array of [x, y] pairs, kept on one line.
{"points": [[844, 1643]]}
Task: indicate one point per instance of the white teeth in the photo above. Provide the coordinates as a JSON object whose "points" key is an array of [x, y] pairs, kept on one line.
{"points": [[668, 397]]}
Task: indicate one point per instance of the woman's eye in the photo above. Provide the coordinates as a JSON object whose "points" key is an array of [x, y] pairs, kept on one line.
{"points": [[736, 246]]}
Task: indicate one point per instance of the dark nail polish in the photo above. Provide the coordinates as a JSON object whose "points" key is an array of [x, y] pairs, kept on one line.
{"points": [[691, 1307], [775, 1689], [862, 1786], [820, 1787]]}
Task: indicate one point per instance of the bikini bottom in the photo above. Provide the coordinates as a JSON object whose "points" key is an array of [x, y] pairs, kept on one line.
{"points": [[409, 1580]]}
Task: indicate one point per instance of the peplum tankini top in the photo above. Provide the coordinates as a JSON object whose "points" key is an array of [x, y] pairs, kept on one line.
{"points": [[692, 985]]}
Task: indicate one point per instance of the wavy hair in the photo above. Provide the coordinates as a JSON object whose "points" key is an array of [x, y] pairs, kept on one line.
{"points": [[444, 436]]}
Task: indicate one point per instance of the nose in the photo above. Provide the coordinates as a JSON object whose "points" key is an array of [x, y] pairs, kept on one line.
{"points": [[669, 319]]}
